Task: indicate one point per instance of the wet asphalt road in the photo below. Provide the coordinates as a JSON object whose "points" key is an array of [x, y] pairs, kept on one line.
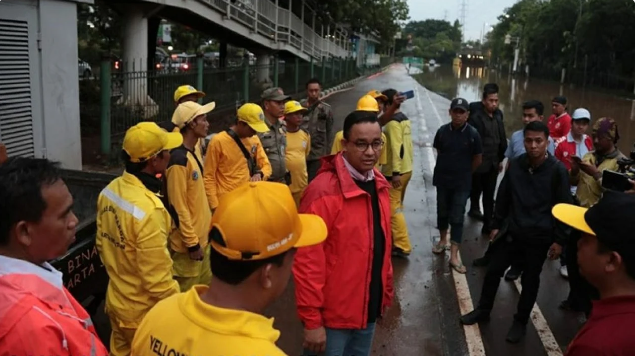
{"points": [[424, 317]]}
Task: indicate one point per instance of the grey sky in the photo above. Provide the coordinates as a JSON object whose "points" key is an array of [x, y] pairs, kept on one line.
{"points": [[477, 14]]}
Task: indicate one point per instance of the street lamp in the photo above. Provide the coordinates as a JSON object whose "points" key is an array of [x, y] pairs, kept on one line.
{"points": [[508, 40]]}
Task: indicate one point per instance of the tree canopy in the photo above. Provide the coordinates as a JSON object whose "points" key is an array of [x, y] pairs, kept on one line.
{"points": [[433, 39], [553, 35], [385, 17]]}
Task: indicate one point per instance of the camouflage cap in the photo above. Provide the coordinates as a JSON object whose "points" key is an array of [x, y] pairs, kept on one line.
{"points": [[275, 94]]}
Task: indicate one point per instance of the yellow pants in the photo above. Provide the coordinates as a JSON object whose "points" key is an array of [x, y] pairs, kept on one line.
{"points": [[188, 272], [296, 197], [400, 236], [120, 338]]}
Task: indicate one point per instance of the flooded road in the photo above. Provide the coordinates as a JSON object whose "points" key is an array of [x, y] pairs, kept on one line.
{"points": [[467, 83]]}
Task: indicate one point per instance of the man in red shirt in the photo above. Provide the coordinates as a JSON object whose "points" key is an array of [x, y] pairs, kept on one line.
{"points": [[559, 122], [345, 283], [576, 142], [606, 255]]}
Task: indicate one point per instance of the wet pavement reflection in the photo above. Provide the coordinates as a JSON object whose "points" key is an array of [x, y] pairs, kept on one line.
{"points": [[467, 82]]}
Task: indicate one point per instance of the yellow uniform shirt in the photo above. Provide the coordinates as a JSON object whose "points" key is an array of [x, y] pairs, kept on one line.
{"points": [[589, 189], [184, 325], [298, 148], [337, 147], [399, 146], [188, 203], [226, 167], [132, 237]]}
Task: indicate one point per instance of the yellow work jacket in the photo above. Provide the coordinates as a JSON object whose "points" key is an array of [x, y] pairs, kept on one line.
{"points": [[132, 237], [399, 146], [187, 201], [337, 147], [184, 325], [226, 166]]}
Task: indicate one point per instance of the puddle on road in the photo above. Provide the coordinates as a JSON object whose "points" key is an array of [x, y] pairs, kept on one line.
{"points": [[468, 83]]}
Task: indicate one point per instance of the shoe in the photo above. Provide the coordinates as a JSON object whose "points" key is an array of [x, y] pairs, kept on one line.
{"points": [[564, 272], [396, 252], [516, 332], [481, 262], [476, 214], [474, 317], [513, 274]]}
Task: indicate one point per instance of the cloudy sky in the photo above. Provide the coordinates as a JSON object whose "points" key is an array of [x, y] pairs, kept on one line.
{"points": [[477, 14]]}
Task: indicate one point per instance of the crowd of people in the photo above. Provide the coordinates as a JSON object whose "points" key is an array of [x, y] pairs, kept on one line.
{"points": [[199, 238]]}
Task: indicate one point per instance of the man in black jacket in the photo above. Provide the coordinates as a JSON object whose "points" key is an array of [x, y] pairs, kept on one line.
{"points": [[488, 121], [523, 223]]}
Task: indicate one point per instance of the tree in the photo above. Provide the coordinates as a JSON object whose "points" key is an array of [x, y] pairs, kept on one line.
{"points": [[384, 17], [434, 39]]}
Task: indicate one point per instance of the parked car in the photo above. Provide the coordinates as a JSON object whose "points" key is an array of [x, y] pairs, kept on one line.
{"points": [[84, 69]]}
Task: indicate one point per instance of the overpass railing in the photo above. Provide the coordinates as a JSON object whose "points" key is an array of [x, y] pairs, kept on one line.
{"points": [[282, 25]]}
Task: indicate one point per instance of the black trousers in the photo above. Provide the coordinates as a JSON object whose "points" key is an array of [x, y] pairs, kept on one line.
{"points": [[580, 291], [532, 252], [485, 183], [312, 167]]}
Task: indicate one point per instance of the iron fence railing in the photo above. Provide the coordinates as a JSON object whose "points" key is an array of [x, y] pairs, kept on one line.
{"points": [[112, 102]]}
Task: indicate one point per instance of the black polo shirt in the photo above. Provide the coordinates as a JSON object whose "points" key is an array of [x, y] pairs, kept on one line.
{"points": [[455, 148]]}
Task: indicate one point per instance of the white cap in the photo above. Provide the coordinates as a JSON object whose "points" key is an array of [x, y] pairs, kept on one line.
{"points": [[581, 113]]}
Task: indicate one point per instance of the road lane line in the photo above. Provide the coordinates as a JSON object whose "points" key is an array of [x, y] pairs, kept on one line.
{"points": [[473, 337], [434, 108], [542, 327]]}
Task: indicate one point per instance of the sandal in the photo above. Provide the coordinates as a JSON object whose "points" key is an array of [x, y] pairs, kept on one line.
{"points": [[438, 248], [458, 268]]}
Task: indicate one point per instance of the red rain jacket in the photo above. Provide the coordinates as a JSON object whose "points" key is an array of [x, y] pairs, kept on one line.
{"points": [[332, 279]]}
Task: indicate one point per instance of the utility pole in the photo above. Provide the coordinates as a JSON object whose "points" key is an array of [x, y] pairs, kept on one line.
{"points": [[445, 15], [463, 10]]}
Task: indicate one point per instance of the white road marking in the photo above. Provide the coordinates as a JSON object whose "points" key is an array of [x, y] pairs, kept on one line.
{"points": [[542, 327], [434, 108]]}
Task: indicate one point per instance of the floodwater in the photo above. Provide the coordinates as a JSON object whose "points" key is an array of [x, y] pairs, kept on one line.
{"points": [[467, 83]]}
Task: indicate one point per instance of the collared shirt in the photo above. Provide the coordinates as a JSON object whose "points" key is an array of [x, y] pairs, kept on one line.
{"points": [[559, 126], [516, 145], [609, 331], [184, 325], [274, 142], [456, 148], [370, 175], [580, 147]]}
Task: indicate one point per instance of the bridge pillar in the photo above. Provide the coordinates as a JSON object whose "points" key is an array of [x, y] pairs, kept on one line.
{"points": [[263, 70], [135, 62]]}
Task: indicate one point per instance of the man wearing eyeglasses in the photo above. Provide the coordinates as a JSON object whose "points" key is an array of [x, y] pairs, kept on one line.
{"points": [[345, 283]]}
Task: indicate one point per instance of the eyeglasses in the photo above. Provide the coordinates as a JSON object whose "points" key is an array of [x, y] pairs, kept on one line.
{"points": [[363, 146]]}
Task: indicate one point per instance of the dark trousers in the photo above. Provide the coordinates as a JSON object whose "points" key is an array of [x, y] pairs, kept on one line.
{"points": [[532, 252], [484, 182], [580, 291], [451, 211], [312, 167]]}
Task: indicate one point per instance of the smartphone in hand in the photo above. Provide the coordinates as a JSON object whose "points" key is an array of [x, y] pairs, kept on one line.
{"points": [[409, 94]]}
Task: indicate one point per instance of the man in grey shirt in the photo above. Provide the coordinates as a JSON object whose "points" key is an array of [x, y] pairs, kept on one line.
{"points": [[532, 111]]}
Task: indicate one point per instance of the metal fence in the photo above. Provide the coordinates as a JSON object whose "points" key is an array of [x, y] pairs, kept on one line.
{"points": [[113, 101]]}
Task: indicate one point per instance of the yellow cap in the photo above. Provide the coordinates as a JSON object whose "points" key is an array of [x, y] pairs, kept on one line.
{"points": [[377, 95], [146, 139], [182, 91], [368, 104], [573, 216], [252, 115], [187, 111], [293, 106], [259, 220]]}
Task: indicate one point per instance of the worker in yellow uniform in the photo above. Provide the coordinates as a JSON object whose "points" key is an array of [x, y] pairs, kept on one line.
{"points": [[297, 150], [236, 155], [186, 198], [187, 93], [132, 233], [369, 104], [251, 261], [398, 171]]}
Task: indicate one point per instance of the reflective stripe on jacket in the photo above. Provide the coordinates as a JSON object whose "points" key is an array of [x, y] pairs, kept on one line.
{"points": [[332, 279], [38, 316], [132, 238]]}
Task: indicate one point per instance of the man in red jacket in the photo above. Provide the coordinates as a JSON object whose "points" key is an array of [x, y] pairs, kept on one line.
{"points": [[559, 122], [38, 316], [344, 284]]}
